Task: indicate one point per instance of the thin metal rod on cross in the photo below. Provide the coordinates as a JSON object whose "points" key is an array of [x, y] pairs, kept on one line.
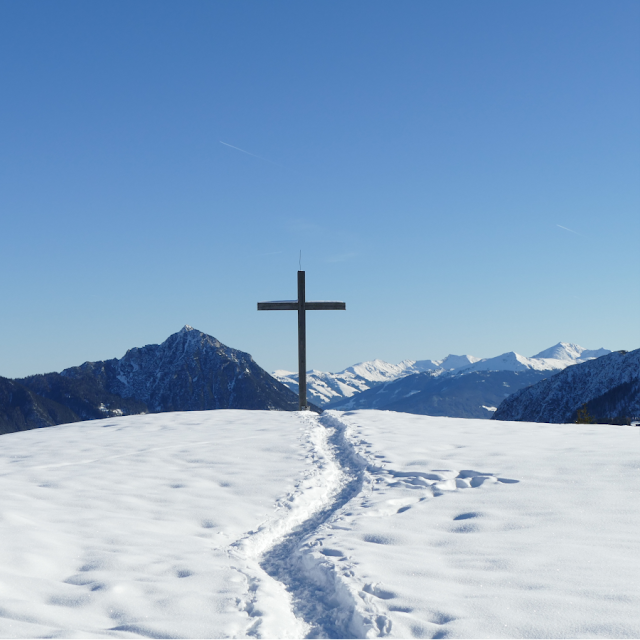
{"points": [[301, 306]]}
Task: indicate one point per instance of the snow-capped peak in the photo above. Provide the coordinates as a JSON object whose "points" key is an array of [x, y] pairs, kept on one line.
{"points": [[509, 361], [187, 328], [424, 365], [570, 353], [452, 362], [378, 370], [562, 351], [278, 373]]}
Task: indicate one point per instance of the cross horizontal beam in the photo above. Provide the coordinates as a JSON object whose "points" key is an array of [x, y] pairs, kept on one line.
{"points": [[292, 305], [301, 306]]}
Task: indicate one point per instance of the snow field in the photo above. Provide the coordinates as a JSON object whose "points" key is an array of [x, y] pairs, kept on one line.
{"points": [[125, 527], [357, 524], [446, 543]]}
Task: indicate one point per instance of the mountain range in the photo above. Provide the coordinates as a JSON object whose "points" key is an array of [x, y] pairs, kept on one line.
{"points": [[193, 371], [609, 389], [351, 387]]}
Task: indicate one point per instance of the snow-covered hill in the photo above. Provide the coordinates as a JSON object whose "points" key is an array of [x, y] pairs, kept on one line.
{"points": [[263, 524], [608, 385], [326, 388]]}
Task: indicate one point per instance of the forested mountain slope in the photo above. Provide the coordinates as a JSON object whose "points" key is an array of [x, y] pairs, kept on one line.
{"points": [[608, 385], [189, 371]]}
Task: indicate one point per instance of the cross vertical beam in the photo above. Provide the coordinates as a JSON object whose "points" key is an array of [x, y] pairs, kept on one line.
{"points": [[302, 344], [301, 306]]}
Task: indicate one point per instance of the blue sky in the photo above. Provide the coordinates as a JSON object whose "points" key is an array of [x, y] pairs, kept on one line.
{"points": [[465, 175]]}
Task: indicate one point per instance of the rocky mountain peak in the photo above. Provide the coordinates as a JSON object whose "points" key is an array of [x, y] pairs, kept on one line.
{"points": [[189, 340], [189, 371]]}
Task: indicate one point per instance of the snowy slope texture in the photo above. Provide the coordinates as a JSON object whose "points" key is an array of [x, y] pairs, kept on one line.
{"points": [[465, 395], [22, 409], [189, 371], [608, 385]]}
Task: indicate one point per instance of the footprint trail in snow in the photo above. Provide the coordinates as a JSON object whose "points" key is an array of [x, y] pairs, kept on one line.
{"points": [[324, 591]]}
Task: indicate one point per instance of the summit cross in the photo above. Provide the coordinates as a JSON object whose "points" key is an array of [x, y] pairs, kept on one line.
{"points": [[301, 306]]}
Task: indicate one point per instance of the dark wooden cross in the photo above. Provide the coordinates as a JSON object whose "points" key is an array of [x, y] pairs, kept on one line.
{"points": [[301, 306]]}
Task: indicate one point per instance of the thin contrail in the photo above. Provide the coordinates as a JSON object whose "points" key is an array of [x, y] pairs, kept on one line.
{"points": [[566, 229], [243, 151]]}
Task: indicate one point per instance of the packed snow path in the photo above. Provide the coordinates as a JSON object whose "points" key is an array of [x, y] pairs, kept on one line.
{"points": [[325, 591], [318, 595], [360, 524]]}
